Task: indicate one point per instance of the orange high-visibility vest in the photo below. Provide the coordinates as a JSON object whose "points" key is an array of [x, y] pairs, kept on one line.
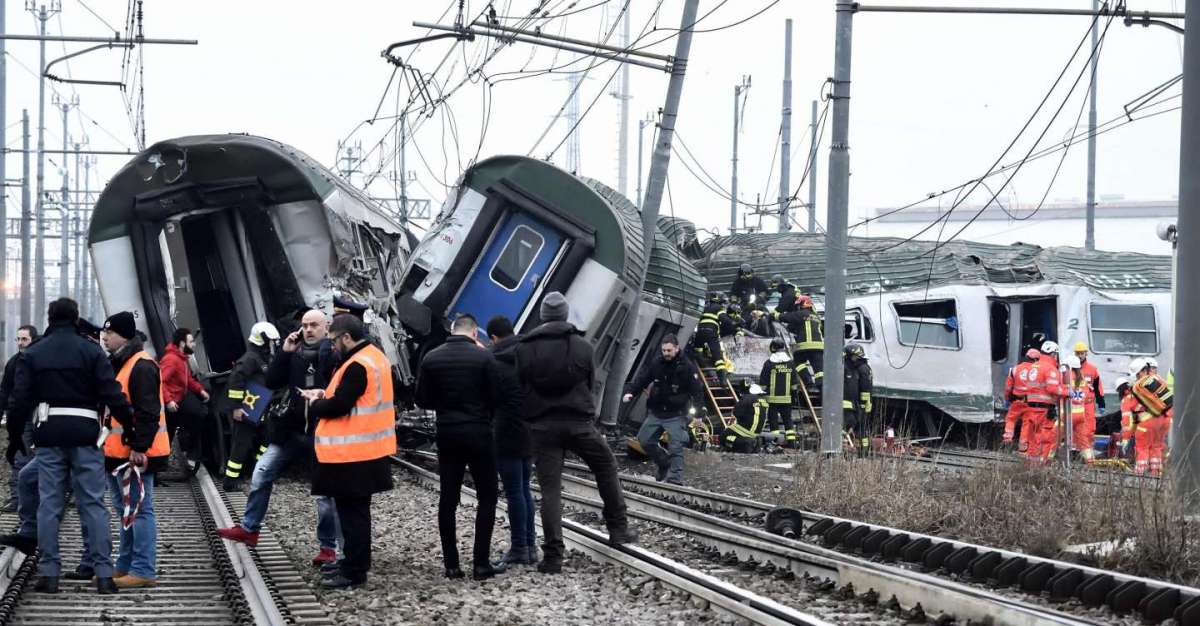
{"points": [[114, 448], [369, 431]]}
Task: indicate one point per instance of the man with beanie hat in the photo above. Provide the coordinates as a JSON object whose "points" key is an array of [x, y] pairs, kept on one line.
{"points": [[556, 371], [135, 450], [61, 382]]}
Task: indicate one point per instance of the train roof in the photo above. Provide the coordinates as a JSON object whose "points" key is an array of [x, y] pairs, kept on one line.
{"points": [[285, 174], [893, 264], [671, 278]]}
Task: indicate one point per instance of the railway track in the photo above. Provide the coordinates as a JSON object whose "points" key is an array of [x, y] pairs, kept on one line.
{"points": [[768, 554], [720, 595], [1058, 582], [966, 459], [202, 579]]}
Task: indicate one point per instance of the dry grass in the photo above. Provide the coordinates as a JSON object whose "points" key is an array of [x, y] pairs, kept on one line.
{"points": [[1033, 510]]}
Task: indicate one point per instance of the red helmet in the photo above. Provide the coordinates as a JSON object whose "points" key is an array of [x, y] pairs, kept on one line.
{"points": [[804, 302]]}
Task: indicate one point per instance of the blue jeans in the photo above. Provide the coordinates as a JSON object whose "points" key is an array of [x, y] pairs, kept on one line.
{"points": [[268, 469], [85, 466], [672, 459], [139, 543], [515, 473]]}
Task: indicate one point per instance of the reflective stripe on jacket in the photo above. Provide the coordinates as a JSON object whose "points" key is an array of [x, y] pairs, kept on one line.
{"points": [[114, 447], [369, 431]]}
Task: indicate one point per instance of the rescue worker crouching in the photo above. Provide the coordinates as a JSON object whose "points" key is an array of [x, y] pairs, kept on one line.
{"points": [[64, 378], [674, 384], [246, 383], [856, 394], [778, 378], [750, 413], [134, 452], [805, 327]]}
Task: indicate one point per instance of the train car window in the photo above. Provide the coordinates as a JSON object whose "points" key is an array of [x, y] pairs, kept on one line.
{"points": [[858, 326], [519, 253], [1123, 328], [930, 324]]}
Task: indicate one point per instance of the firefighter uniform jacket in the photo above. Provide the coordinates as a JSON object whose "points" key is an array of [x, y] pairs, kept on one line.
{"points": [[250, 368], [805, 326], [707, 339], [857, 387], [778, 378], [745, 286], [751, 414], [787, 298]]}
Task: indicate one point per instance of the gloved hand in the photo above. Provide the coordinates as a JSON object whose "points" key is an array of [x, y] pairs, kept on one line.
{"points": [[15, 445]]}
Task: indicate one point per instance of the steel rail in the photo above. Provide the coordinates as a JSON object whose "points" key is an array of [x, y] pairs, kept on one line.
{"points": [[723, 595], [1154, 599], [253, 585]]}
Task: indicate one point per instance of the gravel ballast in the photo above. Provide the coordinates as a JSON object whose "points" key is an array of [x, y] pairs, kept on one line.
{"points": [[406, 585]]}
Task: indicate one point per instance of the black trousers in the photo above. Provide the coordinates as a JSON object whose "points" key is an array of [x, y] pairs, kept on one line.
{"points": [[245, 446], [552, 439], [780, 416], [354, 515], [183, 426], [459, 450]]}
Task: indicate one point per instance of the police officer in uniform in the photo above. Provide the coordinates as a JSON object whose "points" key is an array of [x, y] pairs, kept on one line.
{"points": [[251, 367], [856, 405], [61, 382]]}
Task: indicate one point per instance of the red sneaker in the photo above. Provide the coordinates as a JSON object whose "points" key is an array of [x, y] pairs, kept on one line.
{"points": [[240, 535], [326, 555]]}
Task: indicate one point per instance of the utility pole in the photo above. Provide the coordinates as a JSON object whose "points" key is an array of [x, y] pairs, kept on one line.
{"points": [[64, 230], [403, 171], [642, 124], [622, 94], [785, 161], [836, 223], [39, 264], [1185, 457], [77, 233], [26, 218], [1089, 238], [574, 80], [88, 296], [655, 185], [812, 173], [738, 90]]}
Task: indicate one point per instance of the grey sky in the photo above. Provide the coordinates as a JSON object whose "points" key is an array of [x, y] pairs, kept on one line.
{"points": [[935, 98]]}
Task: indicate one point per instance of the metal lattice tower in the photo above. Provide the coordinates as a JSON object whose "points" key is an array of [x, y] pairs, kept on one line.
{"points": [[622, 95], [572, 118]]}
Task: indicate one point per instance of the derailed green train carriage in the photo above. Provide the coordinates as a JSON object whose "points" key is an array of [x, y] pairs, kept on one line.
{"points": [[515, 228]]}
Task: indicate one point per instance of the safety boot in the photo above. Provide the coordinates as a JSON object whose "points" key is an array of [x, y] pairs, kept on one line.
{"points": [[82, 572], [106, 586], [486, 570], [46, 584]]}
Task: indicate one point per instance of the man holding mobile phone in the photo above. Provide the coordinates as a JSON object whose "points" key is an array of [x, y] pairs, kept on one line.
{"points": [[306, 361]]}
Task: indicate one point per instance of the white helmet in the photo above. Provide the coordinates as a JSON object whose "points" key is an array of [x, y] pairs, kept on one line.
{"points": [[1136, 365], [1072, 362], [260, 330], [1152, 362], [1122, 381], [1049, 347], [756, 389]]}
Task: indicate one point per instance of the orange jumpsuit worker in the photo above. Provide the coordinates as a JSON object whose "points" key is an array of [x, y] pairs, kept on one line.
{"points": [[1045, 391], [1153, 420], [1016, 388], [1081, 393]]}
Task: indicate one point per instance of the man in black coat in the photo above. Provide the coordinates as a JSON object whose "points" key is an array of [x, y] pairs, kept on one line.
{"points": [[556, 369], [514, 447], [747, 284], [25, 336], [305, 361], [674, 385], [459, 380], [64, 379]]}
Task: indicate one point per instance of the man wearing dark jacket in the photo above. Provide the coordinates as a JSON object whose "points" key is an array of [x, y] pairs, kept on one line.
{"points": [[355, 435], [514, 448], [248, 373], [140, 442], [459, 380], [64, 379], [747, 284], [305, 362], [556, 370], [674, 385], [787, 294], [25, 336]]}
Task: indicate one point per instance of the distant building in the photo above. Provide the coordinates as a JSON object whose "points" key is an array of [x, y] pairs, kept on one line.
{"points": [[1121, 225]]}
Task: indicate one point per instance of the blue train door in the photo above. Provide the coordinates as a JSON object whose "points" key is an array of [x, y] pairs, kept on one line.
{"points": [[510, 270]]}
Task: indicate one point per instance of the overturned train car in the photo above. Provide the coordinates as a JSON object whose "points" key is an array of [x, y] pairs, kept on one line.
{"points": [[515, 228], [217, 232]]}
